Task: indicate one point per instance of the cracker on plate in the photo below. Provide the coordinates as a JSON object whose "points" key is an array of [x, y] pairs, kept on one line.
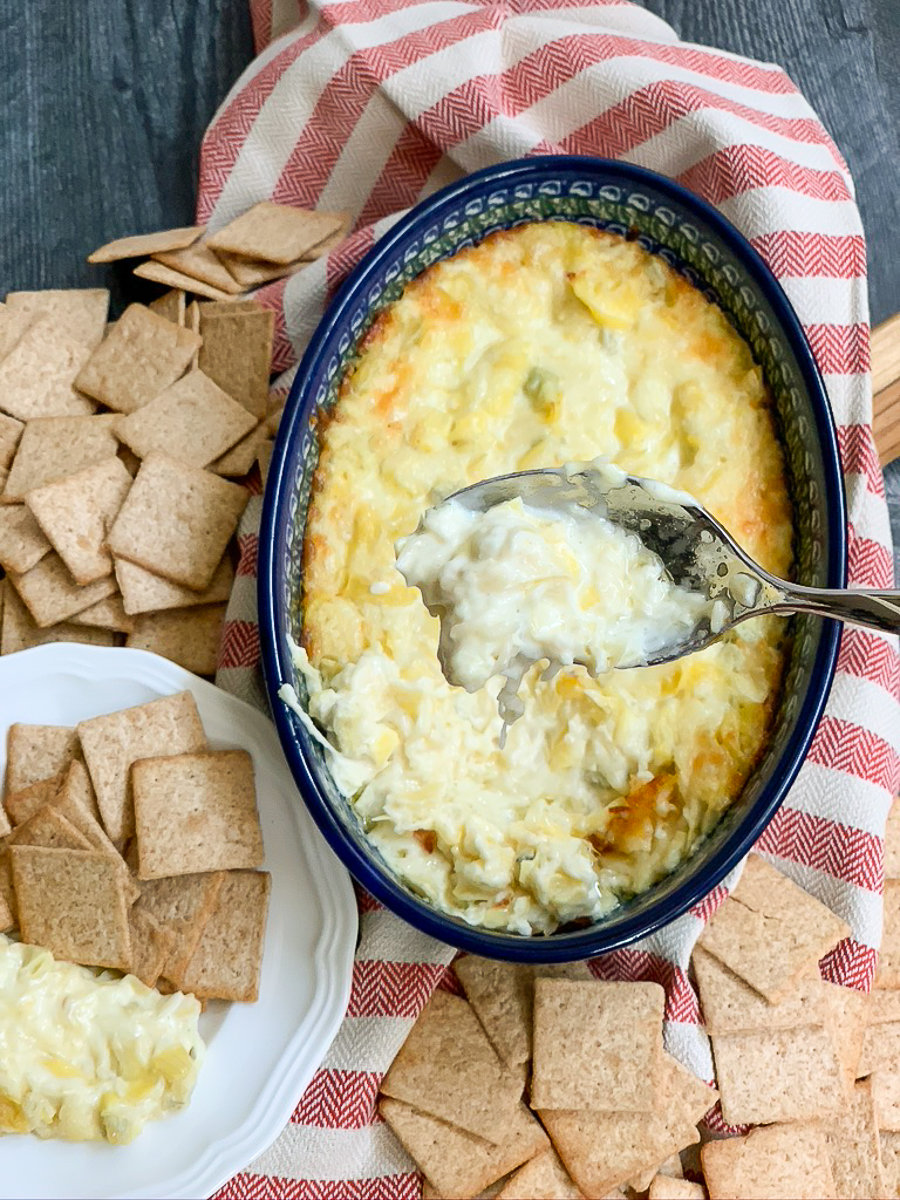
{"points": [[277, 233], [144, 592], [177, 521], [183, 904], [192, 420], [227, 959], [48, 827], [597, 1048], [76, 514], [24, 803], [142, 354], [37, 377], [151, 944], [189, 637], [111, 743], [73, 903], [35, 752], [52, 448], [196, 812], [140, 244], [79, 312], [460, 1164], [779, 1075], [237, 353], [771, 1163], [199, 263], [449, 1069], [770, 932]]}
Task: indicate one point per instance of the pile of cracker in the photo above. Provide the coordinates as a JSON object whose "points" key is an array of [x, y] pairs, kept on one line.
{"points": [[549, 1074], [563, 1080], [128, 843], [120, 443]]}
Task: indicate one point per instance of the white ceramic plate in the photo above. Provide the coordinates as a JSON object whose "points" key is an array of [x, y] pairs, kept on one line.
{"points": [[260, 1056]]}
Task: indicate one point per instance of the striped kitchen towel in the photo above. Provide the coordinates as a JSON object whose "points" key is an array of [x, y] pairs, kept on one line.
{"points": [[371, 105]]}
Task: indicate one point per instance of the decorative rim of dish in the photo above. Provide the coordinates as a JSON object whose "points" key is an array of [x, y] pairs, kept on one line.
{"points": [[217, 1161], [582, 943]]}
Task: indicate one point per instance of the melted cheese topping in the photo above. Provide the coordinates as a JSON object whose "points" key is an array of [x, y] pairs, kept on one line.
{"points": [[84, 1056], [542, 345], [513, 586]]}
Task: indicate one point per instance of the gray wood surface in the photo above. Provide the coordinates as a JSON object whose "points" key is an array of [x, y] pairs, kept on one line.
{"points": [[104, 102]]}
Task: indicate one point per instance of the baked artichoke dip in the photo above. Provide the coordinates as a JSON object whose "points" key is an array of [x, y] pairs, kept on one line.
{"points": [[542, 345], [88, 1056]]}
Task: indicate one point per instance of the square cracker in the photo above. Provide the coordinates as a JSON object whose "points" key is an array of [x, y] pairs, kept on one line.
{"points": [[597, 1046], [779, 1075], [846, 1020], [887, 973], [37, 377], [238, 461], [142, 354], [151, 944], [196, 812], [73, 903], [183, 904], [226, 962], [732, 1006], [144, 592], [237, 354], [277, 233], [177, 521], [22, 541], [106, 614], [10, 432], [448, 1068], [24, 803], [602, 1150], [171, 305], [892, 842], [251, 272], [20, 632], [502, 995], [459, 1164], [76, 801], [79, 312], [544, 1175], [770, 932], [855, 1147], [771, 1163], [189, 637], [76, 514], [193, 420], [664, 1187], [170, 277], [48, 827], [111, 743], [51, 595], [139, 245], [199, 263], [55, 447]]}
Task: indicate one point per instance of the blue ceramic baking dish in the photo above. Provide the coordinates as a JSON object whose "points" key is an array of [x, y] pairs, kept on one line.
{"points": [[693, 238]]}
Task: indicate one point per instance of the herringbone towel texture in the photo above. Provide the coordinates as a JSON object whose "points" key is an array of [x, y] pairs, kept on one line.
{"points": [[372, 105]]}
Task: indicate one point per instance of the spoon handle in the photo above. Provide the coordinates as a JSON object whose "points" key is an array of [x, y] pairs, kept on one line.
{"points": [[875, 610]]}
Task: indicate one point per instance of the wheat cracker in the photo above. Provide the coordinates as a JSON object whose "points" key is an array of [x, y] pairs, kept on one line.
{"points": [[138, 245]]}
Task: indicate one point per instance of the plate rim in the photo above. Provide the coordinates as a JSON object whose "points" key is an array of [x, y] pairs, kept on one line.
{"points": [[219, 1160]]}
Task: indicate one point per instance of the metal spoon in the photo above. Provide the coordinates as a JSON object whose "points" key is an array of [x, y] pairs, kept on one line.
{"points": [[696, 551]]}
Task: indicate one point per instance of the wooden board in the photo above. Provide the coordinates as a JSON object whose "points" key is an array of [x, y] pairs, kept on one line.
{"points": [[886, 388]]}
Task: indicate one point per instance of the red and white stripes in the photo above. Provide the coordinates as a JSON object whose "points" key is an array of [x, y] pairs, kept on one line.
{"points": [[374, 104]]}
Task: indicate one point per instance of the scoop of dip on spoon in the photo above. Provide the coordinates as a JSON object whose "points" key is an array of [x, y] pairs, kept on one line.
{"points": [[586, 564]]}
